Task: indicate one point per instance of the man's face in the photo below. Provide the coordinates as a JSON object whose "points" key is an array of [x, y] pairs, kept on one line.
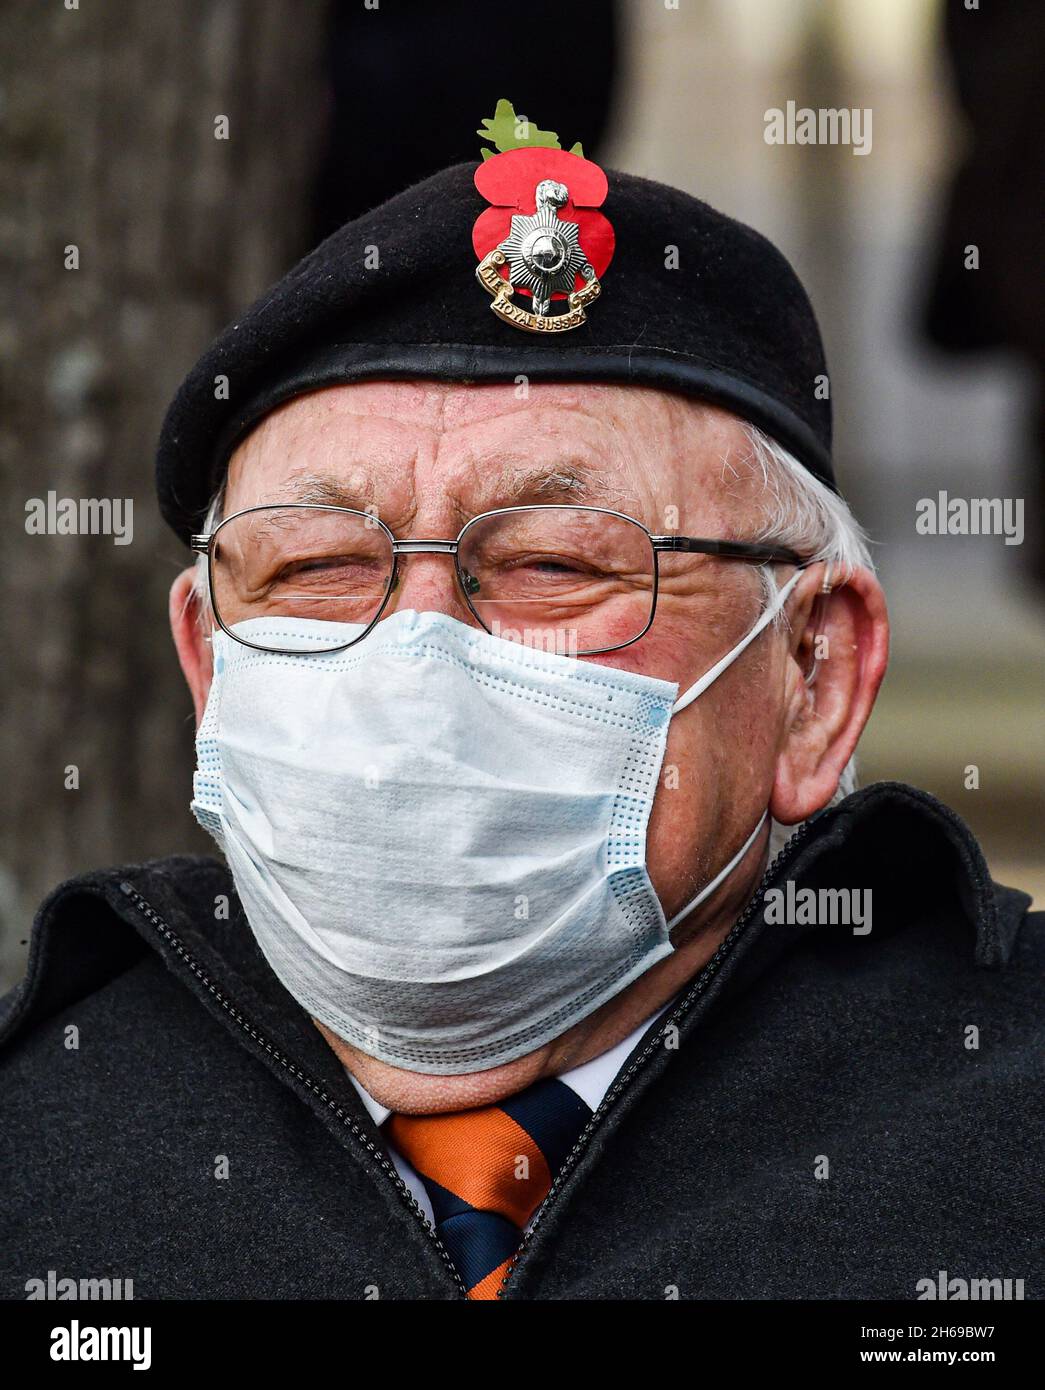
{"points": [[429, 456]]}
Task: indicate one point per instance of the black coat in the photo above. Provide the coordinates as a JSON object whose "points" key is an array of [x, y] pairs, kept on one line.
{"points": [[798, 1046]]}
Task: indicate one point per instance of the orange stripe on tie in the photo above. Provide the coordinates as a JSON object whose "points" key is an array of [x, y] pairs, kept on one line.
{"points": [[487, 1288], [477, 1155]]}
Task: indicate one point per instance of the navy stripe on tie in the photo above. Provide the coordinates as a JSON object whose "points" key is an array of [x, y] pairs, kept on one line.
{"points": [[552, 1115], [477, 1242], [444, 1202]]}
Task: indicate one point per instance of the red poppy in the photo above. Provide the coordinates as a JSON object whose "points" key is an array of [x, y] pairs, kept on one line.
{"points": [[509, 181]]}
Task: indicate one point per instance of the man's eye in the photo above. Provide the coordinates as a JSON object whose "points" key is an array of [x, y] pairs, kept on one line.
{"points": [[558, 566], [551, 565], [319, 564]]}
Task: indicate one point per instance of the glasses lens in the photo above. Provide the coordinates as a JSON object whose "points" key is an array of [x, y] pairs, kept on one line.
{"points": [[311, 563], [569, 580]]}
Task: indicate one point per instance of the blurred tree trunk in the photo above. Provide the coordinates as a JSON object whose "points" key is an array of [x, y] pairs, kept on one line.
{"points": [[108, 144]]}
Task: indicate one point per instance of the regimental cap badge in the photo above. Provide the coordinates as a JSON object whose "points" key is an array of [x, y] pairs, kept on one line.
{"points": [[541, 239]]}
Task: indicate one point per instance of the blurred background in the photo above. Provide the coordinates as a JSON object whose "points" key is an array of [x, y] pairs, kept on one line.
{"points": [[108, 123]]}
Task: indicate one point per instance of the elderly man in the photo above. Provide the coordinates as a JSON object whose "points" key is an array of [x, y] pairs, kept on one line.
{"points": [[554, 954]]}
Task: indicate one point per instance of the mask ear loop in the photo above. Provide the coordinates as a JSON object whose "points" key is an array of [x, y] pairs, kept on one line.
{"points": [[723, 874], [698, 689], [709, 677]]}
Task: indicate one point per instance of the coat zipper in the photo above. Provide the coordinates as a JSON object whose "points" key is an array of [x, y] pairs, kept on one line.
{"points": [[679, 1012], [258, 1037], [255, 1034]]}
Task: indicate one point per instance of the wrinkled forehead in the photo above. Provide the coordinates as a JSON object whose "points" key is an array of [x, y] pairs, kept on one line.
{"points": [[452, 450]]}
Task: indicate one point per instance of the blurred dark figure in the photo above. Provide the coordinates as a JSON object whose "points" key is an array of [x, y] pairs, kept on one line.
{"points": [[997, 53], [411, 80]]}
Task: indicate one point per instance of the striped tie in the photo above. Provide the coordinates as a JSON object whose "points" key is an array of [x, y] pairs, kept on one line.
{"points": [[487, 1171]]}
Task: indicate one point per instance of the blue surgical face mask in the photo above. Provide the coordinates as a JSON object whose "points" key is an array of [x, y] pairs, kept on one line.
{"points": [[439, 836]]}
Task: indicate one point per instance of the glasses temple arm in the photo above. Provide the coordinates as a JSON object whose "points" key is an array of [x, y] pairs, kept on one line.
{"points": [[728, 550]]}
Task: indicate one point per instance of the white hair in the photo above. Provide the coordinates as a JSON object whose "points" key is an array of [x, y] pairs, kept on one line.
{"points": [[798, 512], [803, 514], [200, 578]]}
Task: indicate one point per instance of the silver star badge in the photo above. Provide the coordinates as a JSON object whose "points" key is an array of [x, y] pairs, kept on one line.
{"points": [[544, 256]]}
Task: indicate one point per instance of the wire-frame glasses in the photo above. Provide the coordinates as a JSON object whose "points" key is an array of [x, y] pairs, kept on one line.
{"points": [[565, 578]]}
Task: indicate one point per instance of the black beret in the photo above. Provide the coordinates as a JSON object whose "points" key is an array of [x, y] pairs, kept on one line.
{"points": [[729, 324]]}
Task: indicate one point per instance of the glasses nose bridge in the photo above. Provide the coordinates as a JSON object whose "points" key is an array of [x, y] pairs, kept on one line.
{"points": [[422, 546]]}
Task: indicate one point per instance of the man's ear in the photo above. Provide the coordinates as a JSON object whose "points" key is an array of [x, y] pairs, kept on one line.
{"points": [[191, 639], [843, 638]]}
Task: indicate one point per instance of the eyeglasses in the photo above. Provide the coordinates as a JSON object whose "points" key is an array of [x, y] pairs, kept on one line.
{"points": [[572, 580]]}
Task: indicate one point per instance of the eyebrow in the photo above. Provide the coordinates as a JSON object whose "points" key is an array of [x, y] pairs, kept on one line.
{"points": [[579, 480], [324, 491], [558, 483], [572, 480]]}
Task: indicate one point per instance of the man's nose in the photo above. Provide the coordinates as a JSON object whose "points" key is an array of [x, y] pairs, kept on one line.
{"points": [[428, 584]]}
